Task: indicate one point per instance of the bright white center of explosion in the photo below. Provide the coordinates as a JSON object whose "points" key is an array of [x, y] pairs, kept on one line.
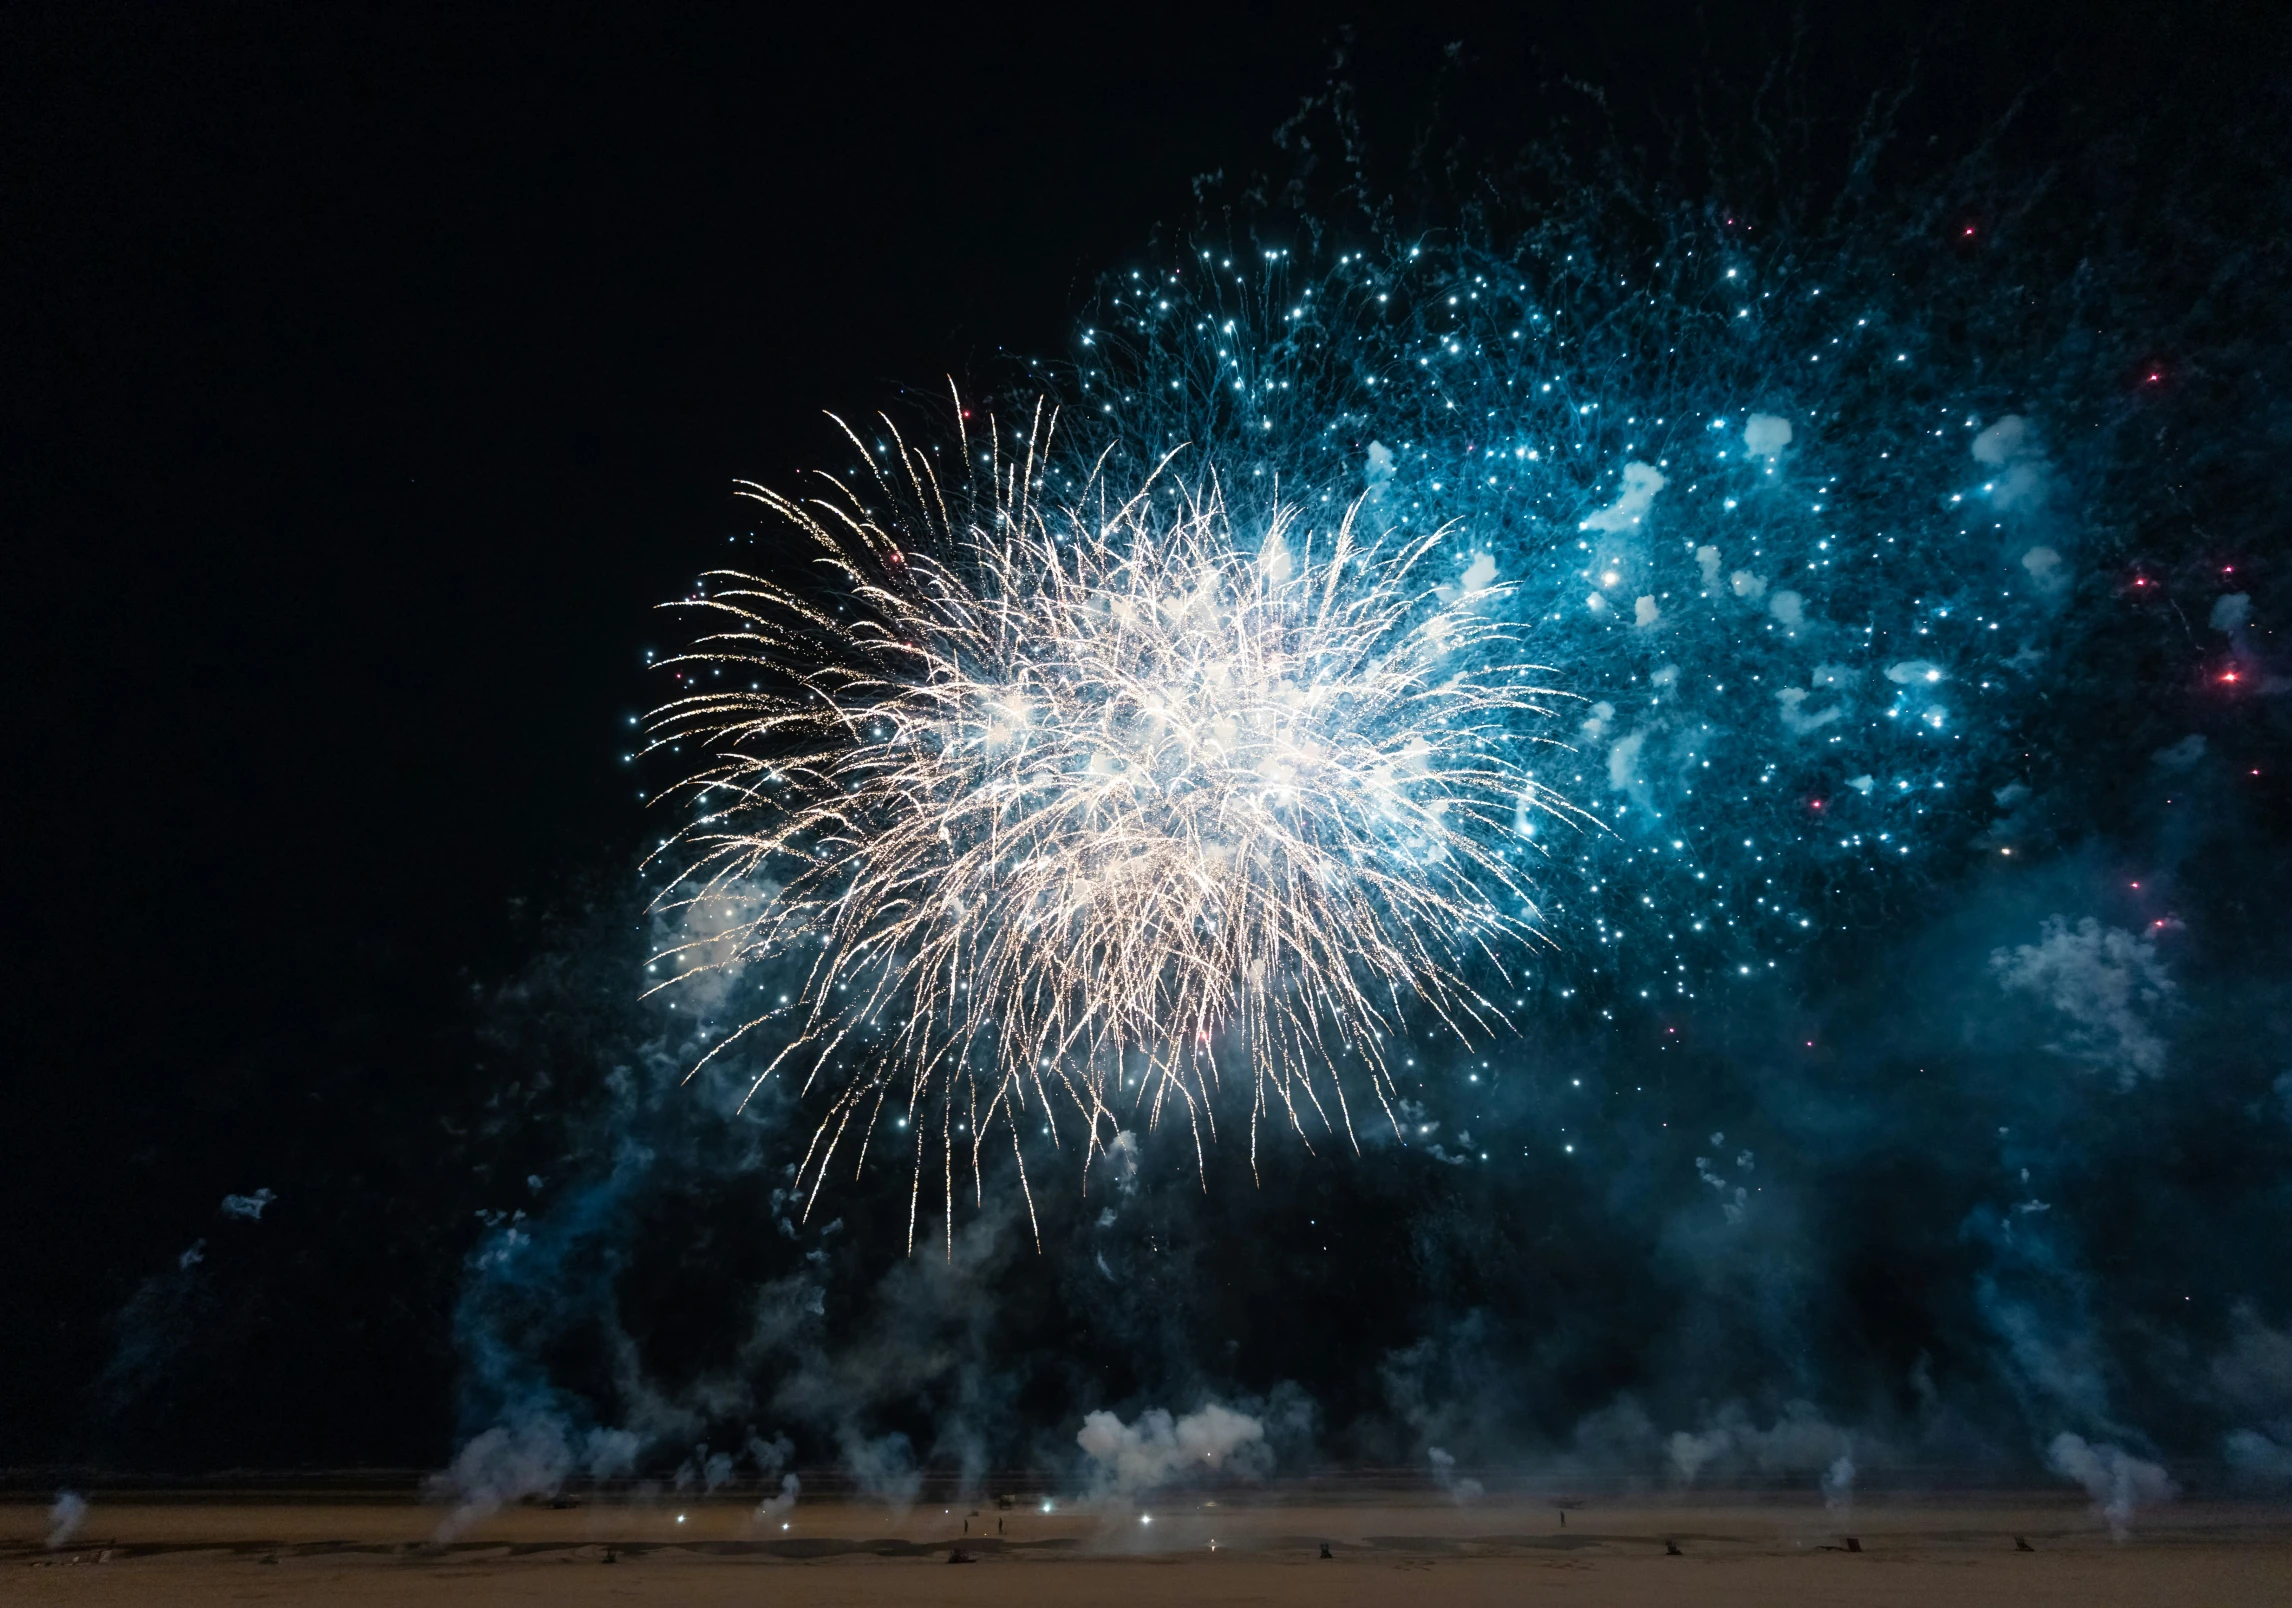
{"points": [[1107, 793]]}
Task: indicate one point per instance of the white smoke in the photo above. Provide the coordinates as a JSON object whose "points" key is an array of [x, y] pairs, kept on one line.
{"points": [[247, 1206], [1460, 1489], [780, 1506], [885, 1468], [1120, 1160], [1689, 1453], [1619, 1435], [1623, 760], [2232, 612], [1641, 481], [531, 1455], [2108, 982], [1765, 435], [701, 941], [1798, 719], [1478, 577], [708, 1470], [2119, 1483], [1734, 1198], [2254, 1377], [65, 1518], [1838, 1484], [1158, 1450], [1800, 1441], [769, 1456], [2046, 570], [2010, 448], [1378, 476]]}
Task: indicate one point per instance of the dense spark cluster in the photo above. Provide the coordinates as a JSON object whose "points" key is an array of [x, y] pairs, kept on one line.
{"points": [[1804, 553], [1057, 807], [1802, 550]]}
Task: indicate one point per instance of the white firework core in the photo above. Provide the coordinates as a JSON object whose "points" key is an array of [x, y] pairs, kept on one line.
{"points": [[1057, 812]]}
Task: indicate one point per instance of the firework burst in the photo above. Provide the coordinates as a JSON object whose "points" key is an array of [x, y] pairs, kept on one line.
{"points": [[1066, 811]]}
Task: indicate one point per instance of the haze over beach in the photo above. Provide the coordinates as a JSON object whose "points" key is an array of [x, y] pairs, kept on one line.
{"points": [[1186, 807]]}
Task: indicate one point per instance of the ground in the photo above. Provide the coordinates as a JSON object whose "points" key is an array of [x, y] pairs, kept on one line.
{"points": [[296, 1546]]}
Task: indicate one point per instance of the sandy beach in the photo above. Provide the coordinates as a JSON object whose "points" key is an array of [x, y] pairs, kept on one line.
{"points": [[1262, 1548]]}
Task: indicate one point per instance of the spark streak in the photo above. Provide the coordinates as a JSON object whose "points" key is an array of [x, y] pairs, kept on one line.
{"points": [[1058, 809]]}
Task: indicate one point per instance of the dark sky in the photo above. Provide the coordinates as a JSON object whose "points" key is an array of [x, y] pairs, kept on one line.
{"points": [[374, 370], [371, 371]]}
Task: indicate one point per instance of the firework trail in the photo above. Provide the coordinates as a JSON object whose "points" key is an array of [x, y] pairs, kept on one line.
{"points": [[1052, 806]]}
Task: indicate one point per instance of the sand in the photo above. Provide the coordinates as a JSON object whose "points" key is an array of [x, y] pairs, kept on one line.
{"points": [[1263, 1548]]}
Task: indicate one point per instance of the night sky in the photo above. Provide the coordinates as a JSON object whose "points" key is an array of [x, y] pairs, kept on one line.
{"points": [[372, 374]]}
